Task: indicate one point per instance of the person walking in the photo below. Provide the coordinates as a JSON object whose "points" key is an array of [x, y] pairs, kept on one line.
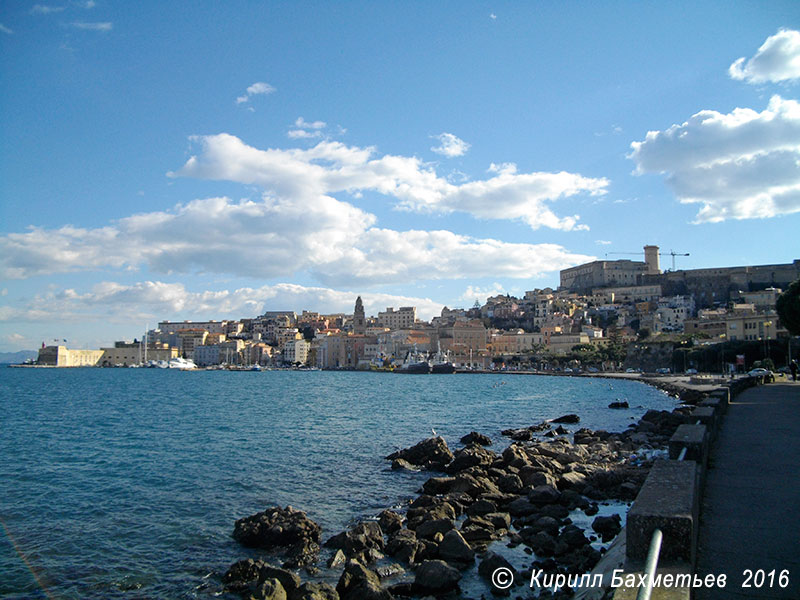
{"points": [[793, 369]]}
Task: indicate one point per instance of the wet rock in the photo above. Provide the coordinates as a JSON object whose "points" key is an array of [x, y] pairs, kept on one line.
{"points": [[492, 561], [572, 480], [286, 529], [571, 418], [573, 536], [431, 453], [390, 521], [607, 527], [455, 550], [474, 486], [315, 591], [337, 560], [360, 583], [430, 528], [269, 589], [476, 438], [438, 485], [399, 464], [622, 404], [472, 456], [403, 545], [360, 542], [436, 577], [521, 507], [388, 571], [481, 507], [544, 494]]}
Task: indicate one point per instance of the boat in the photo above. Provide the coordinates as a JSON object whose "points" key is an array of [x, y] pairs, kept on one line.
{"points": [[182, 364], [441, 362], [414, 363]]}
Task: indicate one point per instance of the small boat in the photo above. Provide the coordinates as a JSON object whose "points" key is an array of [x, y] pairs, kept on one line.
{"points": [[182, 364]]}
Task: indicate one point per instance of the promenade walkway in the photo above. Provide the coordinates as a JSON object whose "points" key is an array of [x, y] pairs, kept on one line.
{"points": [[750, 513]]}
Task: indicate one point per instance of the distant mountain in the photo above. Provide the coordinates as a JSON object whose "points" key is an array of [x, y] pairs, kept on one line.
{"points": [[12, 358]]}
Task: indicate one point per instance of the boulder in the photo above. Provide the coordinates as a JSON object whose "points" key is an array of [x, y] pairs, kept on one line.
{"points": [[607, 527], [269, 589], [390, 521], [438, 485], [491, 562], [360, 541], [399, 464], [543, 494], [431, 453], [435, 577], [286, 529], [359, 583], [315, 591], [481, 507], [455, 550], [476, 438], [566, 419], [403, 545], [473, 455], [622, 404], [429, 529]]}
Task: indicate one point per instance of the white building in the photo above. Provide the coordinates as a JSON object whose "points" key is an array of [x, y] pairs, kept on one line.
{"points": [[403, 318]]}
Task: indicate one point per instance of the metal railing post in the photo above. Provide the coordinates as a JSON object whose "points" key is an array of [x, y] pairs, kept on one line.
{"points": [[651, 565]]}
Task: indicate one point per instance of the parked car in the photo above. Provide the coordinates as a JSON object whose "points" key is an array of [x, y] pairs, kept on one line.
{"points": [[691, 371], [663, 371], [761, 372]]}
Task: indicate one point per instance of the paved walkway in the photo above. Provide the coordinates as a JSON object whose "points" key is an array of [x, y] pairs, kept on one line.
{"points": [[750, 514]]}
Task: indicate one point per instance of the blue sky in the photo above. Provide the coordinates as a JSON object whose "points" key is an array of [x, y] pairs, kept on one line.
{"points": [[166, 160]]}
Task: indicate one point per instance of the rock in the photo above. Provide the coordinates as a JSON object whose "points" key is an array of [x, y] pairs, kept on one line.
{"points": [[390, 521], [360, 541], [476, 438], [533, 476], [607, 527], [315, 591], [622, 404], [431, 453], [387, 571], [438, 485], [481, 507], [269, 589], [491, 562], [436, 577], [510, 484], [403, 545], [572, 480], [567, 419], [474, 486], [337, 560], [455, 550], [472, 456], [573, 536], [250, 575], [399, 464], [521, 507], [359, 583], [286, 529], [430, 528], [543, 494]]}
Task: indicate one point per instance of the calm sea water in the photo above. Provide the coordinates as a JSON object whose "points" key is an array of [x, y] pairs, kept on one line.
{"points": [[125, 483]]}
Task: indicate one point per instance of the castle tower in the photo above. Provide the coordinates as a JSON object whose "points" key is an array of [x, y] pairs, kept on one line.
{"points": [[651, 258], [359, 321]]}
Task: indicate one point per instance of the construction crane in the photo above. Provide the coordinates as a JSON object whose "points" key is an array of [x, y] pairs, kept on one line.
{"points": [[671, 253]]}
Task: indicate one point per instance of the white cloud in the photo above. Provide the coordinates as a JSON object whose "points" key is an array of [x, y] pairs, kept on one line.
{"points": [[102, 26], [89, 4], [303, 134], [331, 167], [602, 242], [493, 16], [5, 29], [301, 123], [42, 9], [740, 165], [778, 59], [151, 300], [333, 240], [450, 145], [471, 294], [256, 89]]}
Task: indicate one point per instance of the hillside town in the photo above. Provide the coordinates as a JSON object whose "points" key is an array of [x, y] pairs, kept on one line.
{"points": [[605, 315]]}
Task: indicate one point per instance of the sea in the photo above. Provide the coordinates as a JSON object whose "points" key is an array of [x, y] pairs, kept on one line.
{"points": [[126, 483]]}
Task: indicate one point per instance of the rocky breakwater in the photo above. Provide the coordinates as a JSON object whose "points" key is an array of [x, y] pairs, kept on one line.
{"points": [[525, 496]]}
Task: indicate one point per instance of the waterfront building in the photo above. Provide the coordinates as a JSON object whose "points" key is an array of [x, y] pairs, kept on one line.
{"points": [[296, 351], [133, 353], [627, 295], [61, 356], [403, 318], [207, 326], [189, 339], [562, 343]]}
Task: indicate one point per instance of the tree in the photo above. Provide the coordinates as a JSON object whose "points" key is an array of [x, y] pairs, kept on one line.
{"points": [[788, 307]]}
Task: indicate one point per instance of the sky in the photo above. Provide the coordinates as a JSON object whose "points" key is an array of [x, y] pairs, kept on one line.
{"points": [[207, 160]]}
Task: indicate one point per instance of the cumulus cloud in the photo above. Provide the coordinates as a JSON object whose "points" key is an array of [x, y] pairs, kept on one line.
{"points": [[150, 300], [5, 29], [740, 165], [471, 294], [101, 26], [331, 167], [450, 145], [333, 240], [778, 59], [256, 89]]}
